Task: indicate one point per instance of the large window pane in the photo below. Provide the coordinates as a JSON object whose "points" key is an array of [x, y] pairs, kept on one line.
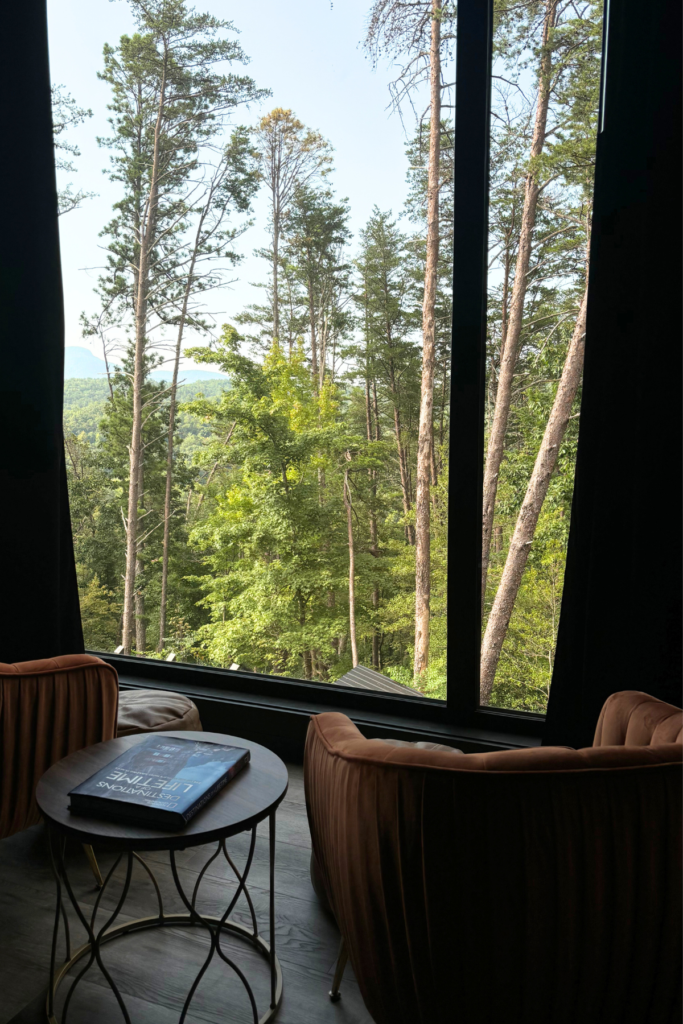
{"points": [[545, 92], [256, 239]]}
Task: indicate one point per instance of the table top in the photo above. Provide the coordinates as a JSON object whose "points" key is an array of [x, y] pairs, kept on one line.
{"points": [[245, 800]]}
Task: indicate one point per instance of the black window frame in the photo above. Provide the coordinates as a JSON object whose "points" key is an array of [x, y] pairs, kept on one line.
{"points": [[461, 710]]}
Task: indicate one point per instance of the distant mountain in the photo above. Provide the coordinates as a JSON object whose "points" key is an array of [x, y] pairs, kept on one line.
{"points": [[80, 363]]}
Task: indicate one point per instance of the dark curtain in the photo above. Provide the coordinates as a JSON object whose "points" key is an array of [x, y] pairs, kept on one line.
{"points": [[620, 627], [39, 613]]}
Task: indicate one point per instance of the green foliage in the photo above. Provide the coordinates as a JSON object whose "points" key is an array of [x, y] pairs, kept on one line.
{"points": [[271, 537], [556, 282], [320, 423], [85, 401], [99, 614]]}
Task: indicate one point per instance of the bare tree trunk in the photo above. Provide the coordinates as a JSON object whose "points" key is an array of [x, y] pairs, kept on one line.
{"points": [[290, 336], [134, 473], [106, 366], [432, 461], [323, 338], [169, 450], [507, 267], [375, 632], [352, 568], [376, 639], [308, 666], [498, 539], [402, 461], [167, 502], [169, 480], [405, 477], [443, 407], [426, 428], [510, 345], [136, 448], [374, 547], [140, 621], [276, 257], [522, 538], [314, 340], [375, 406]]}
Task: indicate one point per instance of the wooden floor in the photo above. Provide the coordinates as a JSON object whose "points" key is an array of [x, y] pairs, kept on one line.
{"points": [[154, 969]]}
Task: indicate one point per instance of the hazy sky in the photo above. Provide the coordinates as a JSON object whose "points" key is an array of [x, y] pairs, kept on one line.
{"points": [[307, 52]]}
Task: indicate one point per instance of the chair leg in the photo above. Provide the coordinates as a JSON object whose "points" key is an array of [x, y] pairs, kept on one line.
{"points": [[92, 860], [335, 994]]}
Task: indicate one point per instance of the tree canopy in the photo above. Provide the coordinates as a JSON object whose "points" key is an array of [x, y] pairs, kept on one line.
{"points": [[295, 520]]}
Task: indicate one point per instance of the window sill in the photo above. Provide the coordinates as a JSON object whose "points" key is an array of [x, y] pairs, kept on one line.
{"points": [[280, 720]]}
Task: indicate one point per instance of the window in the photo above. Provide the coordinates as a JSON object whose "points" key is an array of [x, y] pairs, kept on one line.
{"points": [[275, 273], [544, 113]]}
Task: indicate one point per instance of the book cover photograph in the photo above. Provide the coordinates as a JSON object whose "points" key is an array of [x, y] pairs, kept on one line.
{"points": [[162, 781]]}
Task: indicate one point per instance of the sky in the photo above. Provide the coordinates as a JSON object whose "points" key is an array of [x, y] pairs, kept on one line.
{"points": [[307, 52]]}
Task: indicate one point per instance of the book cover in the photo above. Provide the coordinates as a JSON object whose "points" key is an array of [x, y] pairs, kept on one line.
{"points": [[161, 782]]}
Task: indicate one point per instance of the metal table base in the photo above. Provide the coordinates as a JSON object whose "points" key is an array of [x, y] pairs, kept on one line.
{"points": [[216, 926]]}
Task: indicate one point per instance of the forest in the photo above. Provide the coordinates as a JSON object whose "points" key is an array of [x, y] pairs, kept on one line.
{"points": [[295, 521]]}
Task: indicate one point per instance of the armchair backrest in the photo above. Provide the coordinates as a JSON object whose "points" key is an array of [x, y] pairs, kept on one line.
{"points": [[48, 709], [634, 719], [526, 886]]}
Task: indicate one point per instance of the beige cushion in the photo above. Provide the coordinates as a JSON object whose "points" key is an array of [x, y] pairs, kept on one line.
{"points": [[422, 745], [155, 711]]}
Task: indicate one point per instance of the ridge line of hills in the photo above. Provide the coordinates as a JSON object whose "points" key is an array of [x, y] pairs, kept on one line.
{"points": [[85, 400], [82, 364]]}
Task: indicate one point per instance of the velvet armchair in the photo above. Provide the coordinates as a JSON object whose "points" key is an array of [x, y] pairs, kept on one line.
{"points": [[50, 708], [533, 886]]}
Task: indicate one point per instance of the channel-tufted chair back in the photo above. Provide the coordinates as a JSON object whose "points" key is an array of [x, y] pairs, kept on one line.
{"points": [[534, 886], [48, 709]]}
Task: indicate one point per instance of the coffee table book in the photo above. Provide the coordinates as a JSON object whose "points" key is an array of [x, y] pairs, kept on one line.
{"points": [[159, 783]]}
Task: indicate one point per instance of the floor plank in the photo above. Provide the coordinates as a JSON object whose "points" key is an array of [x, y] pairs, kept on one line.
{"points": [[154, 969]]}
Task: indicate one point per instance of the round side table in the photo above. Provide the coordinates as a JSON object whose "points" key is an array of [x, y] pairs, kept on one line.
{"points": [[253, 795]]}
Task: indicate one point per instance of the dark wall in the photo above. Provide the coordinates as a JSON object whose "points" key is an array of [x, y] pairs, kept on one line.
{"points": [[620, 627], [39, 614]]}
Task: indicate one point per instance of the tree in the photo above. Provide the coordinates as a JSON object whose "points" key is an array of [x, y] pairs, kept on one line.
{"points": [[523, 536], [414, 31], [94, 502], [564, 234], [316, 236], [515, 314], [425, 443], [385, 299], [273, 551], [169, 98], [416, 207], [231, 184], [66, 114], [292, 156], [115, 441], [559, 43], [289, 544]]}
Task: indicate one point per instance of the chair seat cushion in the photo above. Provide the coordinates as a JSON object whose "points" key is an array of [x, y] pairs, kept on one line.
{"points": [[422, 745], [155, 711]]}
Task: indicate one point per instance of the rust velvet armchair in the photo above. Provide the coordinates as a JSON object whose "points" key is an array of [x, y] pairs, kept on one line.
{"points": [[50, 708], [527, 887]]}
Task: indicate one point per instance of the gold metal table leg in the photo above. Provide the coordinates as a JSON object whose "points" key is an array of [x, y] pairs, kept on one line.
{"points": [[92, 860]]}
